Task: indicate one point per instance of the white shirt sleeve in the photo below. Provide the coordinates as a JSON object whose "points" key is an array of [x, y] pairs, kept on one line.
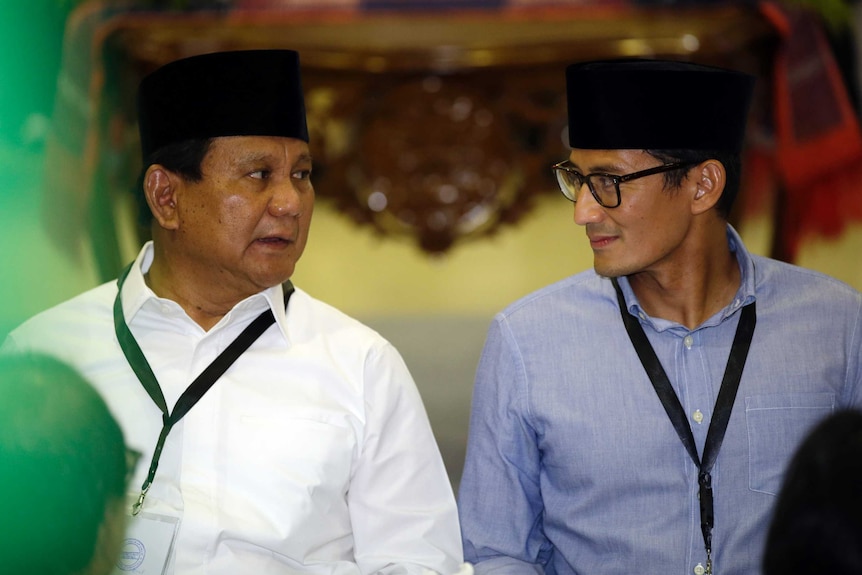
{"points": [[401, 504]]}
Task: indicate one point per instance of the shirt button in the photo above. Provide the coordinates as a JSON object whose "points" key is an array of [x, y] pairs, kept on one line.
{"points": [[688, 341], [697, 416], [699, 570]]}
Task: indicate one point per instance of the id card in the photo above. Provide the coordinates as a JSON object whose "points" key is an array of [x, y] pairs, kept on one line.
{"points": [[148, 545]]}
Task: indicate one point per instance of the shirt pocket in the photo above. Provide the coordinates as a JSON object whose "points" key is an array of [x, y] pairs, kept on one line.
{"points": [[296, 463], [777, 423], [309, 449], [287, 481]]}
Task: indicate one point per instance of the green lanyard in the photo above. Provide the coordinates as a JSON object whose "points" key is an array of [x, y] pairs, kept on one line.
{"points": [[198, 387]]}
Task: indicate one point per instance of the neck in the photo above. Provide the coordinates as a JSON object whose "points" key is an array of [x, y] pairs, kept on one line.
{"points": [[204, 304], [692, 294]]}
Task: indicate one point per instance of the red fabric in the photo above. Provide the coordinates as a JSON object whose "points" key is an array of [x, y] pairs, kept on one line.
{"points": [[759, 180], [818, 142]]}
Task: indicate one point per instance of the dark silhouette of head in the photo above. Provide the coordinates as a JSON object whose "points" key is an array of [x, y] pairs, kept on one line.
{"points": [[62, 471], [817, 525]]}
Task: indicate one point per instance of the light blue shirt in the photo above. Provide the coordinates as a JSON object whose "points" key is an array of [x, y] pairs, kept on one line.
{"points": [[572, 463]]}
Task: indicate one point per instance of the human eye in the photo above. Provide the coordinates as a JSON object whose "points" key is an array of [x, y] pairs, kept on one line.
{"points": [[605, 186], [303, 174], [262, 174], [605, 182]]}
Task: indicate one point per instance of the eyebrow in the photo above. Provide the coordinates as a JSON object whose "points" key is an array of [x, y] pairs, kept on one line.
{"points": [[255, 157], [600, 169], [613, 170], [252, 157]]}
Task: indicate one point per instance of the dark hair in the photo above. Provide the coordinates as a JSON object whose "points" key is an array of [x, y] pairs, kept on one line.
{"points": [[183, 158], [732, 166], [62, 461], [816, 528]]}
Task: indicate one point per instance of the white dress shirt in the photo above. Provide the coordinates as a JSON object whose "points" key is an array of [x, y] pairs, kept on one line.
{"points": [[311, 454]]}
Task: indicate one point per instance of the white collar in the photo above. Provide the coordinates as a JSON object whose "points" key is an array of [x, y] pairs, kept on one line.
{"points": [[136, 293]]}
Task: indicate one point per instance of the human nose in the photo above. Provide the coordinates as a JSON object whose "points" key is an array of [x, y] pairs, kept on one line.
{"points": [[587, 209], [286, 200]]}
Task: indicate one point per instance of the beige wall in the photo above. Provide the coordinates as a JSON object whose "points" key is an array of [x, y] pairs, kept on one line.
{"points": [[366, 274]]}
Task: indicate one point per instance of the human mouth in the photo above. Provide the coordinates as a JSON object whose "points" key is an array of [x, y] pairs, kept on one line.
{"points": [[274, 241], [599, 241]]}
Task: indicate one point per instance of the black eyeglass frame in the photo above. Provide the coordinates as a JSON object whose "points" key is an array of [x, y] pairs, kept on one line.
{"points": [[617, 180]]}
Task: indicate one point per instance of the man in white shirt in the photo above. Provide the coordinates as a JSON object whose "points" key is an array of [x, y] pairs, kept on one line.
{"points": [[278, 435]]}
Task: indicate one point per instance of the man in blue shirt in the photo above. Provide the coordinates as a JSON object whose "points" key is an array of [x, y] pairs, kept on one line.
{"points": [[599, 442]]}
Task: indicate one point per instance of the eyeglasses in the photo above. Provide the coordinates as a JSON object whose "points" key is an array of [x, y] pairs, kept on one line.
{"points": [[605, 188]]}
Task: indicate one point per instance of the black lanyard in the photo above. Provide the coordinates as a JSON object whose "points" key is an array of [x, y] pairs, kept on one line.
{"points": [[673, 407], [198, 387]]}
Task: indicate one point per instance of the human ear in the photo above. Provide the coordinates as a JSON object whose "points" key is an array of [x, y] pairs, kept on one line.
{"points": [[160, 186], [711, 179]]}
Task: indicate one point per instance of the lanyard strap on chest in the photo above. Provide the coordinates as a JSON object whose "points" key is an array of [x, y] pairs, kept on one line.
{"points": [[676, 413], [194, 392]]}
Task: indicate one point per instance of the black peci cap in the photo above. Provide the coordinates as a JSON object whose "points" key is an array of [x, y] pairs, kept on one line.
{"points": [[242, 93], [640, 104]]}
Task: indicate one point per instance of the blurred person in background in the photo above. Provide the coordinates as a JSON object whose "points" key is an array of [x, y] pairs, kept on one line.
{"points": [[817, 525], [63, 471]]}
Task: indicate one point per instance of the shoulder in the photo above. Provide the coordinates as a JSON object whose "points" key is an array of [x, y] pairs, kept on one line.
{"points": [[310, 318], [779, 281], [90, 307], [70, 329], [582, 290], [356, 355], [573, 307]]}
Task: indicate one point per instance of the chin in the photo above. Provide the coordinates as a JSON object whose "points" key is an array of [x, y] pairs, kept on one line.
{"points": [[612, 271], [272, 278], [604, 269], [280, 279]]}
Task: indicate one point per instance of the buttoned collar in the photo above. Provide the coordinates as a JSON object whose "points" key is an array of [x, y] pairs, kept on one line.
{"points": [[138, 295]]}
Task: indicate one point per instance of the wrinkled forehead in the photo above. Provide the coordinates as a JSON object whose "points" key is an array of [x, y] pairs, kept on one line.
{"points": [[251, 148]]}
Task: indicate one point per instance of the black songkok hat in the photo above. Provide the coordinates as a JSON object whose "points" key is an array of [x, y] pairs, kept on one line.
{"points": [[243, 93], [635, 104]]}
